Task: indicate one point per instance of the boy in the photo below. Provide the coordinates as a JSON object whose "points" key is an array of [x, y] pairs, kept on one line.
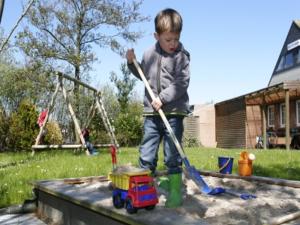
{"points": [[86, 135], [166, 67]]}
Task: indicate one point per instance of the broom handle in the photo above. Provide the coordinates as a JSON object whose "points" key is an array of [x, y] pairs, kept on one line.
{"points": [[161, 113]]}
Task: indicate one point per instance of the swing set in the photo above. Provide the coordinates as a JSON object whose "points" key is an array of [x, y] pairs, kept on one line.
{"points": [[96, 105]]}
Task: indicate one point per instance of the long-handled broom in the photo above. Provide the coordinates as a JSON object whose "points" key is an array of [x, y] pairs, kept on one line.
{"points": [[192, 172]]}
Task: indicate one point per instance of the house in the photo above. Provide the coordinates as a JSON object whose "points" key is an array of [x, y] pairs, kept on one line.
{"points": [[200, 126], [272, 112]]}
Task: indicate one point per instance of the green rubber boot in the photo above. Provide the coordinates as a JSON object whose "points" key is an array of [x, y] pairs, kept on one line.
{"points": [[163, 182], [174, 198]]}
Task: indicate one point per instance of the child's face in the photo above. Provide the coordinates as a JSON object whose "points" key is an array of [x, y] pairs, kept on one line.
{"points": [[168, 41]]}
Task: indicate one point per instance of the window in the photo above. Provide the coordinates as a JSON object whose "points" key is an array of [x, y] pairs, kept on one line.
{"points": [[281, 64], [292, 58], [289, 60], [298, 57], [282, 115], [271, 116], [298, 112]]}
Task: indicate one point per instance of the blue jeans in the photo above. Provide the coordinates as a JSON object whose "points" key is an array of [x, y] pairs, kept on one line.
{"points": [[154, 132], [90, 147]]}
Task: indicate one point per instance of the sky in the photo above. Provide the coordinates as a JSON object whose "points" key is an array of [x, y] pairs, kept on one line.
{"points": [[234, 44]]}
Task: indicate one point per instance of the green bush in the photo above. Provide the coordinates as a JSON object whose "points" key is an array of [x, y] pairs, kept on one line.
{"points": [[3, 129], [53, 134], [23, 127], [129, 129], [191, 142], [101, 137]]}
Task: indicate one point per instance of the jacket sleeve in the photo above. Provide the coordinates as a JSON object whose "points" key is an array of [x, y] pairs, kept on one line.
{"points": [[178, 87]]}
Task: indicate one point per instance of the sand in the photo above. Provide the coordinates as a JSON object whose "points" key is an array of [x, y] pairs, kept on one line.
{"points": [[271, 201]]}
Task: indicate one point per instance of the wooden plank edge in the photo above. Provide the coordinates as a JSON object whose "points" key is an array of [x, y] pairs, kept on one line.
{"points": [[284, 219]]}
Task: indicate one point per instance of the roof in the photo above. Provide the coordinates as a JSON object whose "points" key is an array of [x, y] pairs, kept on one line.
{"points": [[287, 71], [297, 22], [284, 80], [271, 94]]}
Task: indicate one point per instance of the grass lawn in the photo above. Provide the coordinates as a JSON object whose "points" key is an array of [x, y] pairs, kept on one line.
{"points": [[17, 169]]}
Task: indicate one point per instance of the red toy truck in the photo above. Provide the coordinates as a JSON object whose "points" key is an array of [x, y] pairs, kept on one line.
{"points": [[133, 189]]}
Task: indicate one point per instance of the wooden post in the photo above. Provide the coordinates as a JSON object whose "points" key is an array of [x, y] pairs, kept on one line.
{"points": [[64, 76], [50, 107], [108, 127], [264, 123], [68, 146], [73, 116], [287, 119], [91, 115]]}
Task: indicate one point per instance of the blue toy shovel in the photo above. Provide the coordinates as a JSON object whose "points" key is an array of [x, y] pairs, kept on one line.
{"points": [[244, 196], [192, 172]]}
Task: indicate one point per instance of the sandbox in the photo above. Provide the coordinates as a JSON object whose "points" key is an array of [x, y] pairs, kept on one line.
{"points": [[89, 201]]}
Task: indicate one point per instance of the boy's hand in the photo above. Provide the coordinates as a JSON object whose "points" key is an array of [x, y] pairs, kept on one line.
{"points": [[130, 55], [156, 103]]}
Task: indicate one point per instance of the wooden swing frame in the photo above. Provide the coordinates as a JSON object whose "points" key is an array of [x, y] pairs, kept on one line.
{"points": [[97, 105]]}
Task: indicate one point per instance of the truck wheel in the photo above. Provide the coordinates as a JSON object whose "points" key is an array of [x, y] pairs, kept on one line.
{"points": [[117, 201], [150, 207], [129, 207]]}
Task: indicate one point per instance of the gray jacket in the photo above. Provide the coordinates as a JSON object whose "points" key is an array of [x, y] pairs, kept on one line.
{"points": [[168, 76]]}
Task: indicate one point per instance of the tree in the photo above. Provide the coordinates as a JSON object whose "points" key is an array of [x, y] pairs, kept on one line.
{"points": [[124, 86], [30, 82], [5, 42], [128, 122], [129, 125], [18, 81], [65, 31], [110, 100]]}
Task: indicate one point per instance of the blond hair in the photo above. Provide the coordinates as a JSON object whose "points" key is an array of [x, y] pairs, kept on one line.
{"points": [[168, 20]]}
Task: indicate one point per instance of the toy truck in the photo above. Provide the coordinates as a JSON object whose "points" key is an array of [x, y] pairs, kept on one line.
{"points": [[133, 189]]}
